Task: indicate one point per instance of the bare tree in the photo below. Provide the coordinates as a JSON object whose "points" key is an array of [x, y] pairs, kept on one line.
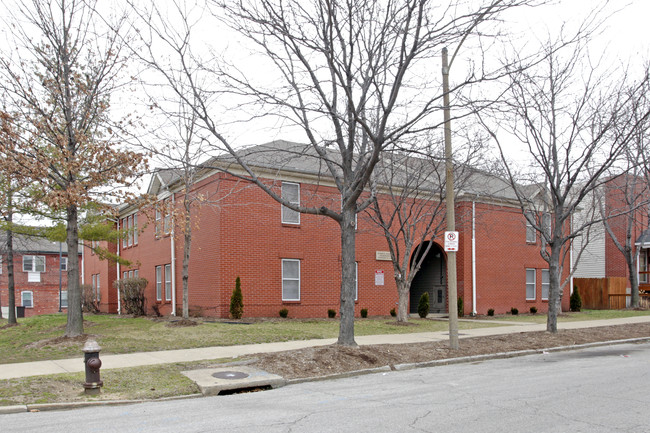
{"points": [[60, 80], [575, 124], [353, 77]]}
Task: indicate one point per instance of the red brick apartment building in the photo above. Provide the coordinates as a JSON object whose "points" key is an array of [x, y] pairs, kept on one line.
{"points": [[39, 266], [290, 260]]}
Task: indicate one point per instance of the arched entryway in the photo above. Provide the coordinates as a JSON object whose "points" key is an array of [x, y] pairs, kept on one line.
{"points": [[432, 278]]}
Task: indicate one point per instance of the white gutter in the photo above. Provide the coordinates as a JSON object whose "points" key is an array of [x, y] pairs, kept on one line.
{"points": [[173, 259], [473, 258]]}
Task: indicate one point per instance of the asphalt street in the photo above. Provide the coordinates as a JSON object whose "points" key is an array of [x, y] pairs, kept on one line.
{"points": [[603, 389]]}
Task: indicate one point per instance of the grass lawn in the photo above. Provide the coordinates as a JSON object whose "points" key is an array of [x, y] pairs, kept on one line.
{"points": [[32, 340]]}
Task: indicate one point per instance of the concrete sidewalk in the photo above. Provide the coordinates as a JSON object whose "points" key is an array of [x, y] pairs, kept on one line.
{"points": [[73, 365]]}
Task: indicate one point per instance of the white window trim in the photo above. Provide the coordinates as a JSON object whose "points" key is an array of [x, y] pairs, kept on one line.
{"points": [[33, 267], [124, 232], [62, 303], [290, 279], [158, 283], [22, 298], [530, 228], [64, 261], [548, 272], [168, 282], [534, 284], [135, 229], [283, 207]]}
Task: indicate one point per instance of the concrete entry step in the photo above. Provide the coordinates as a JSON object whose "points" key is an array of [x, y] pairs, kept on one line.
{"points": [[214, 381]]}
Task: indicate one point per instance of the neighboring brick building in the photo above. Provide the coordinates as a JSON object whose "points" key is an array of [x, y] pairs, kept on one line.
{"points": [[38, 266], [290, 260]]}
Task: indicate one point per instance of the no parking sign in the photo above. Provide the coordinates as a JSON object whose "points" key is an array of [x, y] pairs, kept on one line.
{"points": [[451, 241]]}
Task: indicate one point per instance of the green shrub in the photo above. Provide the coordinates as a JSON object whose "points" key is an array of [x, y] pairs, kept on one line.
{"points": [[132, 295], [461, 307], [575, 302], [393, 313], [423, 305], [331, 313], [284, 313], [491, 312], [514, 311], [364, 312], [533, 310], [237, 301]]}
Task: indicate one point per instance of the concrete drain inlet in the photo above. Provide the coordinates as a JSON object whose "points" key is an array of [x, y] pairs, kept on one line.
{"points": [[230, 375]]}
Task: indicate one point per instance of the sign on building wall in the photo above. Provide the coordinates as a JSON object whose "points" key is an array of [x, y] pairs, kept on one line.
{"points": [[383, 256], [379, 277], [451, 241]]}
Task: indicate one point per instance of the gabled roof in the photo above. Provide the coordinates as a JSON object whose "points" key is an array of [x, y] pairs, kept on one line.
{"points": [[644, 240], [24, 244]]}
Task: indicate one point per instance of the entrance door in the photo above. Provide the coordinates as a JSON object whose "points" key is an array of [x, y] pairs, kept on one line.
{"points": [[431, 278]]}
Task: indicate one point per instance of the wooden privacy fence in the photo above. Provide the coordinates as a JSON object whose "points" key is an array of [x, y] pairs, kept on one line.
{"points": [[602, 293]]}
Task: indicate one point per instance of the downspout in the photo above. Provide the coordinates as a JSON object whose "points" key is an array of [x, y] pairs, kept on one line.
{"points": [[173, 259], [570, 262], [474, 257], [119, 243]]}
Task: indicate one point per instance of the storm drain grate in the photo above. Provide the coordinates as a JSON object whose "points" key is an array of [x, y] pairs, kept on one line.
{"points": [[230, 375]]}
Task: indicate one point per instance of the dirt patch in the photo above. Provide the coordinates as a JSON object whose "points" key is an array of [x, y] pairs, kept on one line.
{"points": [[334, 359], [182, 322], [61, 341]]}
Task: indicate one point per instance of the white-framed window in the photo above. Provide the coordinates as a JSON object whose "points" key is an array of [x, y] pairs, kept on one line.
{"points": [[167, 222], [33, 263], [168, 282], [125, 230], [531, 233], [98, 290], [64, 299], [356, 281], [64, 263], [135, 273], [291, 193], [135, 229], [157, 222], [159, 283], [27, 299], [0, 265], [290, 280], [129, 226], [546, 283], [130, 274], [125, 274], [643, 266], [531, 277]]}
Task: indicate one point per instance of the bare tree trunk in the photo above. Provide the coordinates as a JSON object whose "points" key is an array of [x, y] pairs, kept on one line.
{"points": [[348, 257], [75, 325], [186, 255], [403, 292], [634, 280], [11, 284], [555, 289]]}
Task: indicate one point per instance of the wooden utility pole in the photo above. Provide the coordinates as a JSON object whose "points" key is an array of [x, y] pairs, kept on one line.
{"points": [[451, 223]]}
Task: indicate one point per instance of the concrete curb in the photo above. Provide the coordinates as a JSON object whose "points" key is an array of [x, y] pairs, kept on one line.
{"points": [[386, 368]]}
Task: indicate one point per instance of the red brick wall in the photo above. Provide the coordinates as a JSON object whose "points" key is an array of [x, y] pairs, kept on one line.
{"points": [[237, 231], [45, 294]]}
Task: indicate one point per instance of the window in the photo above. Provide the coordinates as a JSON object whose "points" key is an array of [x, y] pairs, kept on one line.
{"points": [[64, 263], [546, 283], [167, 227], [96, 287], [530, 284], [531, 234], [290, 193], [33, 263], [125, 274], [129, 226], [125, 230], [0, 265], [135, 229], [168, 282], [64, 299], [135, 274], [643, 266], [290, 280], [27, 299], [159, 283], [157, 222]]}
